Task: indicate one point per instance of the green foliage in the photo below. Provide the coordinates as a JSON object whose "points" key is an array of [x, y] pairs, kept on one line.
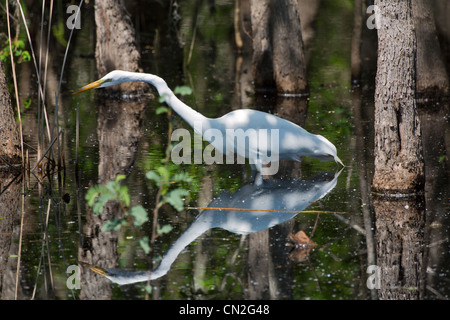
{"points": [[18, 50], [168, 183], [97, 197]]}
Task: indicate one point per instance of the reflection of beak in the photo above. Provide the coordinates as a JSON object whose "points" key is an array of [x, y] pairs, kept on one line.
{"points": [[90, 86]]}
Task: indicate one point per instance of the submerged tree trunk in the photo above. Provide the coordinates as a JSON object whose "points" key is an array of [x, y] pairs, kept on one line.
{"points": [[10, 150], [398, 147], [278, 57]]}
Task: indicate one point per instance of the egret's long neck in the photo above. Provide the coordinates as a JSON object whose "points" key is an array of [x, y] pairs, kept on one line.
{"points": [[184, 111]]}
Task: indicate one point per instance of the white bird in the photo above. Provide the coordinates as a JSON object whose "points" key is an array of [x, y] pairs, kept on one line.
{"points": [[268, 137]]}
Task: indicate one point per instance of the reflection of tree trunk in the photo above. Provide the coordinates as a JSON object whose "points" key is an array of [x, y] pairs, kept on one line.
{"points": [[9, 202], [9, 133], [400, 247], [261, 277], [278, 57], [398, 148], [119, 130]]}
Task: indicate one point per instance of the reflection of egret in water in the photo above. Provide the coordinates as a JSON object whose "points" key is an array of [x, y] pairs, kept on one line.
{"points": [[283, 200]]}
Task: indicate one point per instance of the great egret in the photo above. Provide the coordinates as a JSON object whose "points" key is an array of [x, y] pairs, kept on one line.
{"points": [[291, 141]]}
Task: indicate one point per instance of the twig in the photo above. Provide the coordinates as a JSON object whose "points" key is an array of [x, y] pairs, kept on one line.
{"points": [[49, 147], [19, 253], [35, 66]]}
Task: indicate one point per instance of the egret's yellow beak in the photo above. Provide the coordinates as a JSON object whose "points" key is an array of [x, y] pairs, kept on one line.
{"points": [[90, 86], [96, 269]]}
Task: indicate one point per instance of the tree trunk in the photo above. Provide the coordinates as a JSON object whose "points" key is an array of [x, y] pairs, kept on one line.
{"points": [[432, 78], [116, 47], [278, 57], [398, 147], [9, 133], [119, 130]]}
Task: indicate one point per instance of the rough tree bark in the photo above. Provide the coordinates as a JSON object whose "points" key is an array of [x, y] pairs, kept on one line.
{"points": [[398, 146], [116, 42], [278, 57], [432, 78], [9, 133]]}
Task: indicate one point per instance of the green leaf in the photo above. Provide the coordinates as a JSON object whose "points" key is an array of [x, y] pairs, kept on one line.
{"points": [[91, 195], [175, 198], [165, 229], [162, 110], [114, 224], [163, 174], [144, 243], [183, 90], [152, 175], [26, 57], [101, 202], [124, 195], [181, 177], [140, 215], [120, 177]]}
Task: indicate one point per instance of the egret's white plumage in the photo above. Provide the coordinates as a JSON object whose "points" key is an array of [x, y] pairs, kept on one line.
{"points": [[294, 142]]}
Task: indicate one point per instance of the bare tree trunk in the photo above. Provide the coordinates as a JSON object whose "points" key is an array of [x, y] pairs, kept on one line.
{"points": [[398, 146], [9, 133], [116, 43], [278, 57], [432, 78]]}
